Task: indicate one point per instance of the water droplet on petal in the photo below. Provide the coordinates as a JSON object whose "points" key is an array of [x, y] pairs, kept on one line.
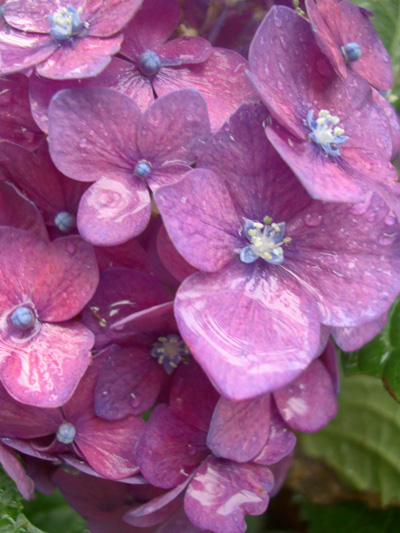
{"points": [[386, 238], [390, 220], [313, 219]]}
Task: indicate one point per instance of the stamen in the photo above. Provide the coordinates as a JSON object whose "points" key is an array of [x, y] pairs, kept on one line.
{"points": [[149, 63], [66, 23], [23, 318], [65, 221], [170, 351], [66, 433], [266, 240], [326, 132], [351, 52]]}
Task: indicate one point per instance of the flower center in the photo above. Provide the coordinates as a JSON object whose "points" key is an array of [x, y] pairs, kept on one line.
{"points": [[142, 169], [66, 433], [326, 132], [149, 63], [266, 241], [66, 23], [65, 221], [23, 318], [169, 351], [351, 52]]}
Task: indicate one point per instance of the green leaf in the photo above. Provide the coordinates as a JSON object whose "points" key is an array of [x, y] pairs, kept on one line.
{"points": [[381, 357], [387, 24], [363, 443], [12, 519], [52, 512], [349, 517]]}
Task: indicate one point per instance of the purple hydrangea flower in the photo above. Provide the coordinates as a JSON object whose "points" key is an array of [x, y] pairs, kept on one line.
{"points": [[101, 134], [107, 446], [43, 286], [348, 38], [275, 263], [63, 40], [327, 129]]}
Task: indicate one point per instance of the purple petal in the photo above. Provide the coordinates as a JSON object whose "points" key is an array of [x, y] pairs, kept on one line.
{"points": [[13, 467], [239, 430], [20, 50], [222, 492], [93, 133], [281, 441], [31, 16], [203, 227], [169, 449], [85, 57], [184, 51], [221, 80], [66, 280], [393, 118], [112, 211], [16, 122], [17, 211], [350, 339], [309, 402], [129, 255], [109, 16], [119, 74], [129, 382], [330, 360], [145, 32], [219, 313], [18, 270], [174, 128], [45, 370], [156, 318]]}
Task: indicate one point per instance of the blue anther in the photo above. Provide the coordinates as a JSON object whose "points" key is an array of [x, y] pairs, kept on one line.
{"points": [[23, 318]]}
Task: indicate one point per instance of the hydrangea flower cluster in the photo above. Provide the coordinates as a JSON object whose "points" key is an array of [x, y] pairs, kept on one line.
{"points": [[193, 200]]}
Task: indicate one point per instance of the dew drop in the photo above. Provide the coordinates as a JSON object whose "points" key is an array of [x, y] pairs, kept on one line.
{"points": [[191, 449], [313, 219], [281, 67], [278, 21], [390, 220], [83, 143], [279, 85], [284, 43], [386, 238]]}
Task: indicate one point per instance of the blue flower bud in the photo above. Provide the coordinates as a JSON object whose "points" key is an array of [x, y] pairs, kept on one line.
{"points": [[66, 433], [142, 169], [149, 63], [23, 318], [65, 221], [352, 52]]}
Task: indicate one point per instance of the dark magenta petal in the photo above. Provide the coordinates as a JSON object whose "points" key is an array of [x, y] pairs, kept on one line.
{"points": [[107, 17], [145, 32], [203, 227], [393, 118], [280, 443], [189, 385], [352, 282], [174, 128], [169, 449], [350, 339], [128, 383], [16, 122], [18, 270], [87, 56], [108, 446], [309, 402], [184, 51], [121, 293], [23, 421], [259, 325], [239, 430], [129, 255], [20, 50], [221, 493], [13, 467], [17, 211], [112, 211], [155, 504], [66, 280], [279, 471], [93, 133], [221, 80], [329, 358], [45, 370], [170, 257], [178, 523]]}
